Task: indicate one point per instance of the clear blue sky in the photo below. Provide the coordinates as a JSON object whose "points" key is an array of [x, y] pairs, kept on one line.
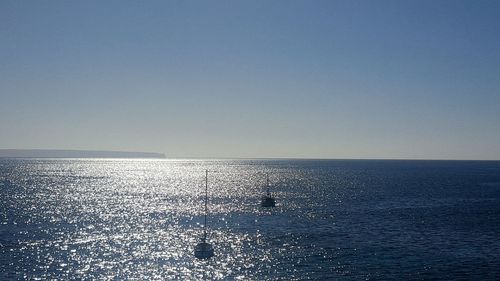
{"points": [[313, 79]]}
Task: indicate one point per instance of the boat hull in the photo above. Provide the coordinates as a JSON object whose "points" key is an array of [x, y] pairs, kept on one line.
{"points": [[203, 250], [268, 201]]}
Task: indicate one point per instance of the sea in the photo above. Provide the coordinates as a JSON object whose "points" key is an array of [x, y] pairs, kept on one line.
{"points": [[139, 219]]}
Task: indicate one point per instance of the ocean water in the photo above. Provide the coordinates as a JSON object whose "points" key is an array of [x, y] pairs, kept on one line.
{"points": [[335, 220]]}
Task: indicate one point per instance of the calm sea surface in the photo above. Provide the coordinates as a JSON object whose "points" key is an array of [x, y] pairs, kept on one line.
{"points": [[342, 219]]}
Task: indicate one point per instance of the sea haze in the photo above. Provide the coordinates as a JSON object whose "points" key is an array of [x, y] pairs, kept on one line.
{"points": [[335, 219]]}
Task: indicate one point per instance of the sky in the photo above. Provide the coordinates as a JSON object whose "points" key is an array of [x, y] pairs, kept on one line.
{"points": [[253, 79]]}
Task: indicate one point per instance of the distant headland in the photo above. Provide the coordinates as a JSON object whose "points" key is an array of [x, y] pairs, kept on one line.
{"points": [[60, 153]]}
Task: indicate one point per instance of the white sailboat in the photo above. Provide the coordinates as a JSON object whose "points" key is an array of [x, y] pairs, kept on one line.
{"points": [[204, 250]]}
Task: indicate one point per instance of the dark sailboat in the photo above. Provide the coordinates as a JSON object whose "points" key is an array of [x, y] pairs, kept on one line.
{"points": [[204, 250], [268, 200]]}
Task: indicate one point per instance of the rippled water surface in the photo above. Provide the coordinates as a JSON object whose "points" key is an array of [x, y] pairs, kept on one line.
{"points": [[140, 219]]}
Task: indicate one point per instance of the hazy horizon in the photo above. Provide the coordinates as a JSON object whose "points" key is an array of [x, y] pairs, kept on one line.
{"points": [[253, 79], [69, 153]]}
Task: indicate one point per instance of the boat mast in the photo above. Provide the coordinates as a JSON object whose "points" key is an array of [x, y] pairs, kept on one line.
{"points": [[267, 183], [206, 208]]}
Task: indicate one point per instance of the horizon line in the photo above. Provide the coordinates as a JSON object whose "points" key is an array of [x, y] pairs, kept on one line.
{"points": [[165, 157]]}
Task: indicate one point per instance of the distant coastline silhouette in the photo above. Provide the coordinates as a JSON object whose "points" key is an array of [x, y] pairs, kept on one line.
{"points": [[61, 153]]}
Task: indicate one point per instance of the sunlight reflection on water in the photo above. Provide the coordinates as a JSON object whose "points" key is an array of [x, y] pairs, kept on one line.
{"points": [[140, 219]]}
